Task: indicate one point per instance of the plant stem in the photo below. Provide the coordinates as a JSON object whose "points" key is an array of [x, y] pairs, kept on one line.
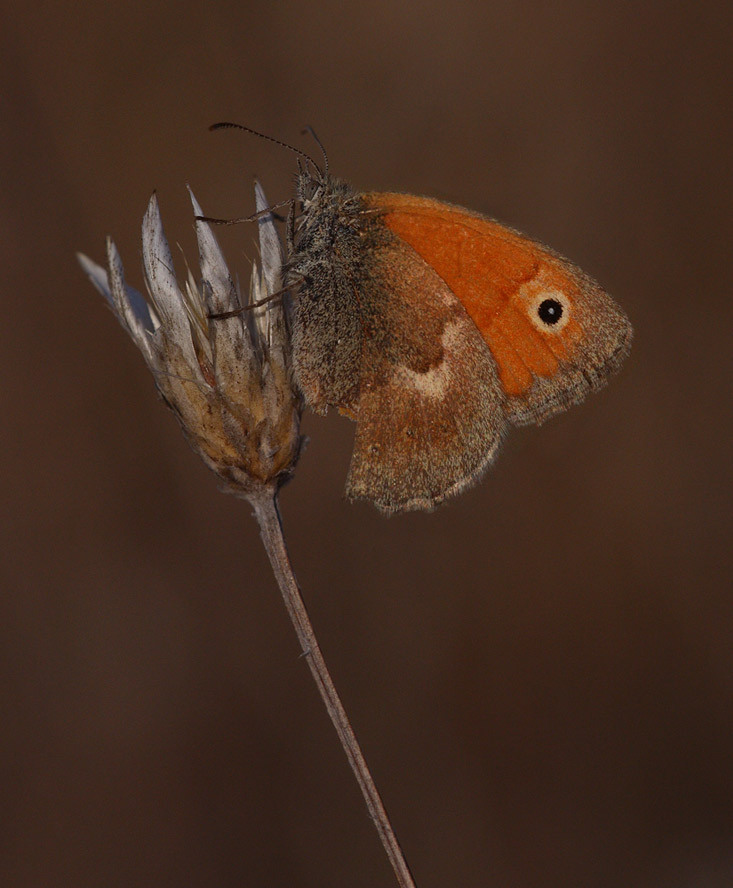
{"points": [[268, 516]]}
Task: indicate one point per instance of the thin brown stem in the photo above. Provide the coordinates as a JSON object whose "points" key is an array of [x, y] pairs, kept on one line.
{"points": [[268, 516]]}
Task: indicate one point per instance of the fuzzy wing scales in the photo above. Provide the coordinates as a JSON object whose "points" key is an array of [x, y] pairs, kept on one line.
{"points": [[430, 412]]}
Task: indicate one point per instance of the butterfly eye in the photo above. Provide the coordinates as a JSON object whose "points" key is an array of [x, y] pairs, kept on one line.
{"points": [[549, 311]]}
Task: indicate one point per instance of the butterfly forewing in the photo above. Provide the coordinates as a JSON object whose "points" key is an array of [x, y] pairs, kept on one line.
{"points": [[553, 332]]}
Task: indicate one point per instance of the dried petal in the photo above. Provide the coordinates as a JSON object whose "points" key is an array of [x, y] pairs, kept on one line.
{"points": [[163, 287]]}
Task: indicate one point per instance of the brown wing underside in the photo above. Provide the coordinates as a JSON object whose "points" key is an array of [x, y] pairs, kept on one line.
{"points": [[500, 278], [430, 413]]}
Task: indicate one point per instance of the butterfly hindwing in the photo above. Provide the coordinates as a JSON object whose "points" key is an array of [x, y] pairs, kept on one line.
{"points": [[422, 357]]}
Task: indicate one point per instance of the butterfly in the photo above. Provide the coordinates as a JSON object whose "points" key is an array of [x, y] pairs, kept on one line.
{"points": [[435, 329]]}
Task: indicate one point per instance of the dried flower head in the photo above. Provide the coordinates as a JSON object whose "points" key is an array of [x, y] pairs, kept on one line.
{"points": [[228, 380]]}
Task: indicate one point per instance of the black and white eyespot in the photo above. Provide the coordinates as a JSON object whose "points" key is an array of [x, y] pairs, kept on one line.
{"points": [[549, 311]]}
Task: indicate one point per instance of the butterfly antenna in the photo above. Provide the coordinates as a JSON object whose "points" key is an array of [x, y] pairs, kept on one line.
{"points": [[248, 129], [309, 129]]}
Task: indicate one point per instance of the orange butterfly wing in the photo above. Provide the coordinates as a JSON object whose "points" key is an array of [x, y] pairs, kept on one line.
{"points": [[502, 279]]}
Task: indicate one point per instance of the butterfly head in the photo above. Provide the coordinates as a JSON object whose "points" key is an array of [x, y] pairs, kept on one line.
{"points": [[324, 203]]}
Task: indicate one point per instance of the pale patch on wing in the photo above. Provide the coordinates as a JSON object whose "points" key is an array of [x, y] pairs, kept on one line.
{"points": [[435, 382], [422, 437]]}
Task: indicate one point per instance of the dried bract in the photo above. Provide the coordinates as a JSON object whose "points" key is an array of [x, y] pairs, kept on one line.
{"points": [[228, 380]]}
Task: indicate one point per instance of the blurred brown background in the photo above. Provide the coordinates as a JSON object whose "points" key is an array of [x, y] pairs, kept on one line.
{"points": [[540, 672]]}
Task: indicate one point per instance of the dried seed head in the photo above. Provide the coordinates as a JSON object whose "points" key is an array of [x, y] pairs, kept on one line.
{"points": [[228, 380]]}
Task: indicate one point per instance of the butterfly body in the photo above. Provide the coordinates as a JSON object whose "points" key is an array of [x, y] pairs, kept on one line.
{"points": [[436, 329]]}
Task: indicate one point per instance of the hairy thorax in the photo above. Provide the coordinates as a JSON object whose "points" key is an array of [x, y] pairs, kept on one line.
{"points": [[337, 294]]}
